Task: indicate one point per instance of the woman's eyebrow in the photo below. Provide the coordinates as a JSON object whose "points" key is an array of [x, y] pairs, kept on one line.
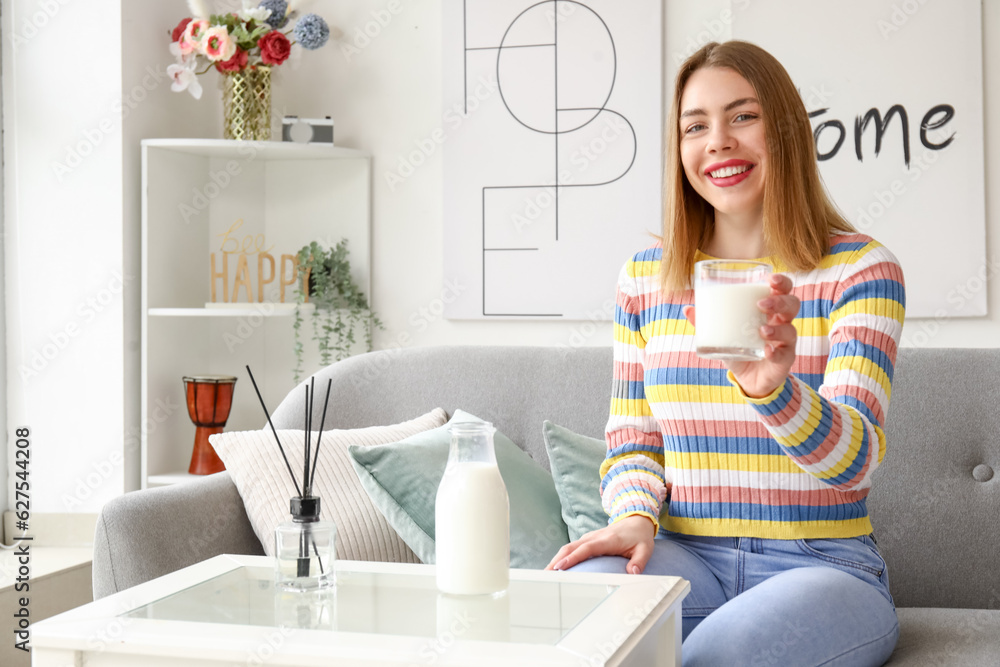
{"points": [[732, 105], [738, 103]]}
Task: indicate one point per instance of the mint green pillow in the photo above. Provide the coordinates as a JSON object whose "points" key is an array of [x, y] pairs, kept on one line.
{"points": [[402, 479], [575, 461]]}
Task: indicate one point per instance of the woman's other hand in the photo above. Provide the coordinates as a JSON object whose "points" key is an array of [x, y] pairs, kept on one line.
{"points": [[759, 378], [631, 537]]}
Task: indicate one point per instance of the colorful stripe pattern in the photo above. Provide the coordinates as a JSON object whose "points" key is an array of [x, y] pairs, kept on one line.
{"points": [[689, 450]]}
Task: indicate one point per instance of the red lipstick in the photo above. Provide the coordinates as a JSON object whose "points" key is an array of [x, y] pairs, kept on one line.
{"points": [[727, 181]]}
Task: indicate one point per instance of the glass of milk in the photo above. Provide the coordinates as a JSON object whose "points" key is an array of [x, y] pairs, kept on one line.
{"points": [[727, 319], [472, 516]]}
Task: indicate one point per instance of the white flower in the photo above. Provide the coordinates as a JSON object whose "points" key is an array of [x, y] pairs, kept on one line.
{"points": [[184, 79], [251, 12], [182, 58]]}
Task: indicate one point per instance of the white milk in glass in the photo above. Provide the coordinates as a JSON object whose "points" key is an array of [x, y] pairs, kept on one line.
{"points": [[727, 318], [472, 517]]}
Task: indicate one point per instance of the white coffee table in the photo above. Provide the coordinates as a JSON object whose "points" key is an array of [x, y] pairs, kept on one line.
{"points": [[226, 610]]}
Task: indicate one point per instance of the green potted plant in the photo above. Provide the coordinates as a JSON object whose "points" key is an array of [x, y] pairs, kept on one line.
{"points": [[339, 305]]}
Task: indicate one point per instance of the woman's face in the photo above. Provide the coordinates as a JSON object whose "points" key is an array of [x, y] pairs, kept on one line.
{"points": [[722, 144]]}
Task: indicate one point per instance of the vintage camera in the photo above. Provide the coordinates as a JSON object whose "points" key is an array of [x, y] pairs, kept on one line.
{"points": [[307, 130]]}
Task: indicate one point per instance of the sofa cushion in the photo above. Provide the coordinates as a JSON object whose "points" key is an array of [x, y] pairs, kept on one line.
{"points": [[402, 480], [261, 476], [953, 637], [575, 462]]}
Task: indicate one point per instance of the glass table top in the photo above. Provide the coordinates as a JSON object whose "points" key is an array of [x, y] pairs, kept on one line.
{"points": [[530, 612]]}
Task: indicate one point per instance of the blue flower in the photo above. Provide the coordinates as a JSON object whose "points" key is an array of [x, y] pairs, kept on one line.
{"points": [[279, 9], [311, 31]]}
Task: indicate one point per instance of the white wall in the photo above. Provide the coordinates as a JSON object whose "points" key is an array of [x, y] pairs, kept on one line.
{"points": [[66, 239], [3, 346], [63, 202]]}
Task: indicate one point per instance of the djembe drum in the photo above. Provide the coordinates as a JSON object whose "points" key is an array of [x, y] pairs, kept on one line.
{"points": [[209, 399]]}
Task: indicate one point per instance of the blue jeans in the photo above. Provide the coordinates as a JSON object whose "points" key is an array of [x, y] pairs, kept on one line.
{"points": [[776, 602]]}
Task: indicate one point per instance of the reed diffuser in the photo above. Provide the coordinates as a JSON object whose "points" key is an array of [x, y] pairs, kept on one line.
{"points": [[304, 547]]}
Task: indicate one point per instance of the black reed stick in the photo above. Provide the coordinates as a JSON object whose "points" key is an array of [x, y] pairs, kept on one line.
{"points": [[312, 400], [318, 559], [302, 564], [305, 449], [268, 415], [319, 438]]}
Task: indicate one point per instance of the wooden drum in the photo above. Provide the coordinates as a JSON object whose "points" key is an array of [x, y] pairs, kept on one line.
{"points": [[209, 399]]}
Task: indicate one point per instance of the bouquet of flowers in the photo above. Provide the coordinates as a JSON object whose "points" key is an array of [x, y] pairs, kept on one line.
{"points": [[254, 36]]}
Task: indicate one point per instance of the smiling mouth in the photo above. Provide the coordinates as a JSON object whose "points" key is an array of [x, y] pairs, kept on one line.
{"points": [[726, 172]]}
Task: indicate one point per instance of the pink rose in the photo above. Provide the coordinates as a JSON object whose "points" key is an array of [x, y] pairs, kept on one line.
{"points": [[274, 48], [235, 64], [179, 30], [190, 40], [217, 44]]}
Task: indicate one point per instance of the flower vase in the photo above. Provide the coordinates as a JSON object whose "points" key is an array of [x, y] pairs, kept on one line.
{"points": [[246, 104]]}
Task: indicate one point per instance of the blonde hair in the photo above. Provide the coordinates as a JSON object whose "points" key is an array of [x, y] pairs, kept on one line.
{"points": [[798, 215]]}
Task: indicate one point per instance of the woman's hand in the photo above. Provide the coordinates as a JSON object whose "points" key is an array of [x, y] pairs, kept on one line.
{"points": [[759, 378], [631, 537]]}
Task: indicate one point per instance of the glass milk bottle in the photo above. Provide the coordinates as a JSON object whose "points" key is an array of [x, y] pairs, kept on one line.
{"points": [[472, 516]]}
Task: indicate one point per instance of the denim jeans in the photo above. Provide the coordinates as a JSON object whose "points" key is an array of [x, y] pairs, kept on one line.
{"points": [[776, 602]]}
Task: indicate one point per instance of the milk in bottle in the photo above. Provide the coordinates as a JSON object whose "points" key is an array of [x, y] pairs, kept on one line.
{"points": [[472, 516]]}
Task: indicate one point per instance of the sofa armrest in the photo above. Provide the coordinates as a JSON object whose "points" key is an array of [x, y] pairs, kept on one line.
{"points": [[145, 534]]}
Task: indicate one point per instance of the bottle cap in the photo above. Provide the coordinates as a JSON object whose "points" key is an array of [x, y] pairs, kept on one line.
{"points": [[304, 509]]}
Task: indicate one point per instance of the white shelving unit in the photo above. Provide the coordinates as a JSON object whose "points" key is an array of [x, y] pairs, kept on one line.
{"points": [[193, 191]]}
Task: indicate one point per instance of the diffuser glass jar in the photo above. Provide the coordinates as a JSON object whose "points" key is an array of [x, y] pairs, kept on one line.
{"points": [[304, 555]]}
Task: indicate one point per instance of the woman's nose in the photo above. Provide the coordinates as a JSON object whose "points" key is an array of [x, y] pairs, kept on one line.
{"points": [[720, 138]]}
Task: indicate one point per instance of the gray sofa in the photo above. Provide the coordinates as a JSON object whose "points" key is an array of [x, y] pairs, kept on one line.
{"points": [[935, 502]]}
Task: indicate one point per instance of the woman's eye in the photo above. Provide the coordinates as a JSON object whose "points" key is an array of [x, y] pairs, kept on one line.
{"points": [[693, 128], [746, 116]]}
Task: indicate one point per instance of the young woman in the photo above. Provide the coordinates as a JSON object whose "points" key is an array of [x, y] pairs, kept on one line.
{"points": [[752, 476]]}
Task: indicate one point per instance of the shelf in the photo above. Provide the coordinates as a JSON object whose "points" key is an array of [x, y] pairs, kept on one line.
{"points": [[205, 199], [265, 150], [232, 310]]}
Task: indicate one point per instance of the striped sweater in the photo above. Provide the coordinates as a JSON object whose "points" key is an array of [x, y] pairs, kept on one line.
{"points": [[688, 449]]}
